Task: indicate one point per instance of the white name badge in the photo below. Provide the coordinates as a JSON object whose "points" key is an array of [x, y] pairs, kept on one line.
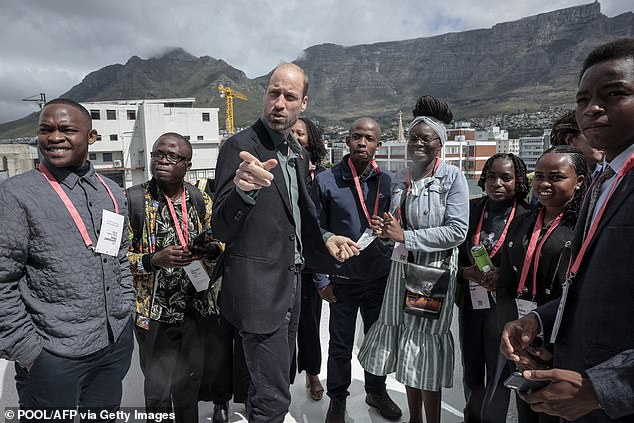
{"points": [[197, 274], [399, 253], [366, 239], [110, 233], [479, 296], [524, 307]]}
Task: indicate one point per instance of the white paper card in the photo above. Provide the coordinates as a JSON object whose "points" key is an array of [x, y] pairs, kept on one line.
{"points": [[399, 253], [479, 296], [110, 233], [197, 274], [366, 239], [524, 307]]}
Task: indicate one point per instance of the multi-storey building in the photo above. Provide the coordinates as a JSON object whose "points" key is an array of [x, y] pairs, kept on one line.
{"points": [[17, 156], [533, 147], [508, 146], [128, 128]]}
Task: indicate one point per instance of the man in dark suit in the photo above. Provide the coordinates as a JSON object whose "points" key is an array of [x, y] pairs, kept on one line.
{"points": [[266, 218], [591, 326]]}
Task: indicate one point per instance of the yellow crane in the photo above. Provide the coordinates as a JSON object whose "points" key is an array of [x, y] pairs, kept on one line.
{"points": [[228, 94]]}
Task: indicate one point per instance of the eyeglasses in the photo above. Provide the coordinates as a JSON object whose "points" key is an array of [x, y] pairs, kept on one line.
{"points": [[170, 157], [415, 139]]}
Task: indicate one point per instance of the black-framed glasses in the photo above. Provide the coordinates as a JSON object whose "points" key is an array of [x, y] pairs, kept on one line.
{"points": [[415, 139], [170, 157]]}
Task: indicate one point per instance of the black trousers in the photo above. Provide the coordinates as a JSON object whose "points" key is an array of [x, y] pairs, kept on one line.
{"points": [[171, 356], [92, 381], [308, 357], [225, 371], [480, 346], [268, 358], [352, 296]]}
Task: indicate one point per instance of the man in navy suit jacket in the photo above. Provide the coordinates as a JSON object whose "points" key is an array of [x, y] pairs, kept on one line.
{"points": [[593, 375], [265, 216]]}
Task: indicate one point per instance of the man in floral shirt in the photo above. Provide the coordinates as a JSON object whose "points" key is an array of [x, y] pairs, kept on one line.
{"points": [[171, 254]]}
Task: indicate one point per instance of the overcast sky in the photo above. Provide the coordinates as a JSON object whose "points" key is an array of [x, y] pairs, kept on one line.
{"points": [[51, 45]]}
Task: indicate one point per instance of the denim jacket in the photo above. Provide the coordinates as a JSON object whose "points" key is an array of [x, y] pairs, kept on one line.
{"points": [[443, 218]]}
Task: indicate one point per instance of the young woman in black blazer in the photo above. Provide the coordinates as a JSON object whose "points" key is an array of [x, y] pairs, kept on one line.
{"points": [[505, 184], [536, 252]]}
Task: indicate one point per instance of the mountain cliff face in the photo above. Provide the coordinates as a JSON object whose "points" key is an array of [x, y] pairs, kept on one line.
{"points": [[174, 74], [528, 64]]}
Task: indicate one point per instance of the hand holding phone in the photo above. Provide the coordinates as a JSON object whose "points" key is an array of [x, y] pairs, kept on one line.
{"points": [[519, 383]]}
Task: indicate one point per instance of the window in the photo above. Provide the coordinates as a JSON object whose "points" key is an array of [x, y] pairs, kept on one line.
{"points": [[205, 117], [113, 137], [92, 156], [107, 157], [200, 138], [111, 114], [98, 137], [95, 114], [131, 114]]}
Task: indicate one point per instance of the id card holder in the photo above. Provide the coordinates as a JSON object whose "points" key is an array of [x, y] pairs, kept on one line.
{"points": [[366, 239], [524, 307], [198, 275], [479, 296], [110, 234], [399, 254]]}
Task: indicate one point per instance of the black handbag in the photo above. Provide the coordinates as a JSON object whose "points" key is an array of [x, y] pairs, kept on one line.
{"points": [[425, 286]]}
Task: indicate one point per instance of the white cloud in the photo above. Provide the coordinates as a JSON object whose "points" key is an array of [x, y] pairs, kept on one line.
{"points": [[50, 46]]}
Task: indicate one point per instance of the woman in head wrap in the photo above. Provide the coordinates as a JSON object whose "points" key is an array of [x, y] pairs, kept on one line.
{"points": [[432, 199]]}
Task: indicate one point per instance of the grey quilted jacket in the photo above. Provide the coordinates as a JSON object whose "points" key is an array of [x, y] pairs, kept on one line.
{"points": [[55, 293]]}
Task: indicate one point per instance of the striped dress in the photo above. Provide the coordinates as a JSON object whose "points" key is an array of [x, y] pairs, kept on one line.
{"points": [[418, 350]]}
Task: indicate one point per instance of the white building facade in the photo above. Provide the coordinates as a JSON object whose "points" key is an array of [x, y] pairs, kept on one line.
{"points": [[128, 128], [533, 147]]}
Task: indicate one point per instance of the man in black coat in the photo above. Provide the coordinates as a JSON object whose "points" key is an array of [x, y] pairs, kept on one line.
{"points": [[266, 218]]}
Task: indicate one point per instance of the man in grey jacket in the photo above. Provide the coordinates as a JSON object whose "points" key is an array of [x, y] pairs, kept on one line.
{"points": [[66, 292]]}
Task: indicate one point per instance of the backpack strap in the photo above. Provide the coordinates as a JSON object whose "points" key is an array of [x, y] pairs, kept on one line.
{"points": [[197, 199], [136, 209]]}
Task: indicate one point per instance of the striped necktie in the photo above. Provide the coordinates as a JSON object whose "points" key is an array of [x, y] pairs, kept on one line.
{"points": [[595, 192]]}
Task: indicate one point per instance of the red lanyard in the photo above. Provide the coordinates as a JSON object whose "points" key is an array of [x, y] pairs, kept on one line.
{"points": [[183, 235], [74, 214], [533, 254], [572, 271], [498, 244], [357, 184]]}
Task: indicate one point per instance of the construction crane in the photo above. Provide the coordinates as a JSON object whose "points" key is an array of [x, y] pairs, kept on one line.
{"points": [[40, 101], [228, 94]]}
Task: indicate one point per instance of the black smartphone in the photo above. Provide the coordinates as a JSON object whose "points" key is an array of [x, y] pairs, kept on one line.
{"points": [[519, 383], [202, 239]]}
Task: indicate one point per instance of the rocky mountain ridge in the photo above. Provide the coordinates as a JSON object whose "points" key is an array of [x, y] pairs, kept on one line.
{"points": [[513, 67]]}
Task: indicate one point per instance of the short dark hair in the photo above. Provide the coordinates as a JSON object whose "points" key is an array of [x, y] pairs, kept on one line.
{"points": [[578, 162], [617, 49], [72, 103], [521, 180], [316, 147], [564, 126], [181, 138]]}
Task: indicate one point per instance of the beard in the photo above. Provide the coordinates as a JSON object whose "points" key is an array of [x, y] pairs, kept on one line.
{"points": [[287, 123]]}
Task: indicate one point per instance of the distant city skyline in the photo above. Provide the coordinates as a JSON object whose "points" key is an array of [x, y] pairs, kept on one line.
{"points": [[51, 46]]}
